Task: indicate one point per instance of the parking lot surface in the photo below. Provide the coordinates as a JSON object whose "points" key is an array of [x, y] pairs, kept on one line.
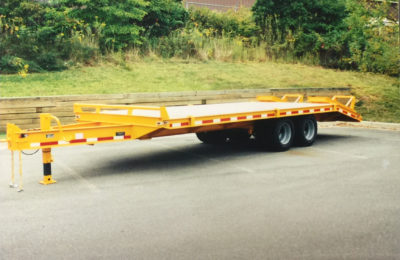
{"points": [[176, 198]]}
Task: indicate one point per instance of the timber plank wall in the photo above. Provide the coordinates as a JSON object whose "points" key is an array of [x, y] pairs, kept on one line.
{"points": [[25, 111]]}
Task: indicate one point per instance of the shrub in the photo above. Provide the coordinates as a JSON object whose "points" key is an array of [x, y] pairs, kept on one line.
{"points": [[11, 64], [371, 42], [50, 61], [229, 24], [345, 34], [307, 21], [162, 17], [44, 37], [119, 17]]}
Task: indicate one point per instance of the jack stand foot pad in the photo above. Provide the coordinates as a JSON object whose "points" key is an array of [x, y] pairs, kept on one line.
{"points": [[47, 180]]}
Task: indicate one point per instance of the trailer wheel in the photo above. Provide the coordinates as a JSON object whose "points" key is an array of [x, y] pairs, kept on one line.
{"points": [[306, 131], [212, 137], [277, 135]]}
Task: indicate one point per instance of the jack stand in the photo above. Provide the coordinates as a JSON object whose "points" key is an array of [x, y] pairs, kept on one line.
{"points": [[47, 160], [20, 187], [12, 182]]}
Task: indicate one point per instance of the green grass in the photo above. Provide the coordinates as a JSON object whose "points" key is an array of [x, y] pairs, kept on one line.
{"points": [[378, 95]]}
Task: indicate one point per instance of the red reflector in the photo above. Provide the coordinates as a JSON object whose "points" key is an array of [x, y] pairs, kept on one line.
{"points": [[105, 138], [49, 143], [77, 141]]}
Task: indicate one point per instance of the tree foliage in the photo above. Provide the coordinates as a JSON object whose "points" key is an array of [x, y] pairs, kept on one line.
{"points": [[371, 39], [277, 18], [52, 35], [347, 34], [48, 36], [119, 18], [163, 17], [230, 23]]}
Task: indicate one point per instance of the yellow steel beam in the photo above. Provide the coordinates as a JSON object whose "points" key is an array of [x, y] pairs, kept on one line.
{"points": [[350, 100], [295, 98], [37, 139]]}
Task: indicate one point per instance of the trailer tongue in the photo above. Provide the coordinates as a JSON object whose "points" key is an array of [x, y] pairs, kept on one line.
{"points": [[276, 123]]}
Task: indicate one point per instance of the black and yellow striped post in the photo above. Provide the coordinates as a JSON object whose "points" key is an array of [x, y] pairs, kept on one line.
{"points": [[47, 160]]}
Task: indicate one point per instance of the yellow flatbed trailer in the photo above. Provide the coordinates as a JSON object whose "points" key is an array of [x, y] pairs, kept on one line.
{"points": [[274, 122]]}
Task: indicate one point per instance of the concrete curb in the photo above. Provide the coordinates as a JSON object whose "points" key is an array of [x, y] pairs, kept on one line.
{"points": [[363, 124]]}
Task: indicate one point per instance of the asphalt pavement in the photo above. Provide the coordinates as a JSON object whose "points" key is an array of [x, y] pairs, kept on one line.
{"points": [[176, 198]]}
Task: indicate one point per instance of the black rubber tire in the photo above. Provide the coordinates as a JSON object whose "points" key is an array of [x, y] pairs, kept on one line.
{"points": [[277, 135], [212, 137], [306, 130]]}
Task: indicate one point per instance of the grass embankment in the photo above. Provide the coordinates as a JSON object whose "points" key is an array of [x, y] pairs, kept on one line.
{"points": [[378, 96]]}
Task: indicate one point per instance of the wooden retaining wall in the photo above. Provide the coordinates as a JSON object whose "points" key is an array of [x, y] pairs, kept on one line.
{"points": [[25, 111]]}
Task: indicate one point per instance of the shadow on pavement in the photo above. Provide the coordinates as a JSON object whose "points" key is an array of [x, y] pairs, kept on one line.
{"points": [[168, 156], [326, 138]]}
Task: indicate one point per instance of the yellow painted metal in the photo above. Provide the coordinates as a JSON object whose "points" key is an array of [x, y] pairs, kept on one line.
{"points": [[269, 99], [295, 98], [47, 158], [12, 170], [110, 123], [36, 139], [45, 121], [350, 103], [347, 106], [12, 136], [94, 113], [98, 125], [46, 155], [21, 187], [351, 100], [47, 179], [12, 183]]}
